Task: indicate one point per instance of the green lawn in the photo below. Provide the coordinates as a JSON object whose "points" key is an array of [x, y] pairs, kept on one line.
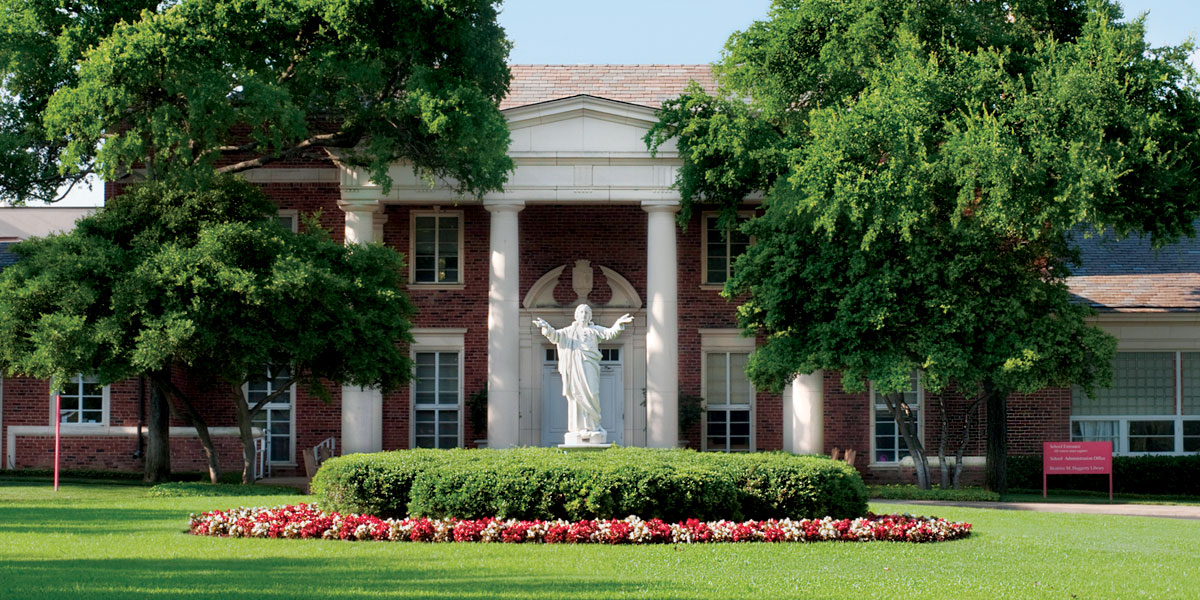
{"points": [[112, 541]]}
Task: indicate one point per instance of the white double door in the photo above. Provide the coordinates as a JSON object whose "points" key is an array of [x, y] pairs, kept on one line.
{"points": [[612, 398]]}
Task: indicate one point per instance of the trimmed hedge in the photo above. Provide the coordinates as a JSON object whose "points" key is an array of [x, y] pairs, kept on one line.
{"points": [[1152, 475], [546, 483]]}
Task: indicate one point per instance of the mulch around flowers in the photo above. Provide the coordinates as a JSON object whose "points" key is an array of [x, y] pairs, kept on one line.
{"points": [[308, 521]]}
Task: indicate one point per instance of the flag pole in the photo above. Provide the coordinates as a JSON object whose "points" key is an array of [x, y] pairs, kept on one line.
{"points": [[57, 436]]}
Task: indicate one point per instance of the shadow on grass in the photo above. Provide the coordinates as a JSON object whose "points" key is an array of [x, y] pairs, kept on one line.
{"points": [[71, 519], [288, 578]]}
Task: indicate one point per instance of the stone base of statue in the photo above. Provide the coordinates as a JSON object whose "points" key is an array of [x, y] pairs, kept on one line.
{"points": [[595, 438], [578, 447], [585, 440]]}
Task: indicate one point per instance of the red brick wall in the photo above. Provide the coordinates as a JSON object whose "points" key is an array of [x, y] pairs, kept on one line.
{"points": [[1032, 419], [116, 453], [27, 403], [701, 307]]}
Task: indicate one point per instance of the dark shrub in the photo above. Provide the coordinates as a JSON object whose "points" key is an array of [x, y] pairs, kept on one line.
{"points": [[546, 483], [1153, 475]]}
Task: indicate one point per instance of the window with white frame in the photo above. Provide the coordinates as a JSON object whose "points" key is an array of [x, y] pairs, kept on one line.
{"points": [[84, 401], [437, 247], [888, 445], [729, 403], [437, 400], [1153, 406], [277, 417], [721, 247], [288, 219]]}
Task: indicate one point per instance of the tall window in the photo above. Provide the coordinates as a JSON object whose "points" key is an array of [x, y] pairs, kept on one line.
{"points": [[437, 400], [1153, 406], [276, 417], [889, 443], [721, 247], [436, 252], [82, 400], [729, 398]]}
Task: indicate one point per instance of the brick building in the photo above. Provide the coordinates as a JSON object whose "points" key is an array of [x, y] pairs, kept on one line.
{"points": [[589, 215]]}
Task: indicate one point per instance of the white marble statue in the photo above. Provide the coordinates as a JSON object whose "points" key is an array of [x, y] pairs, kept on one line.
{"points": [[579, 364]]}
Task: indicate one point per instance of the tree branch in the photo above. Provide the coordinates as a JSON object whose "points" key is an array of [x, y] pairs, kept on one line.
{"points": [[340, 139], [273, 395]]}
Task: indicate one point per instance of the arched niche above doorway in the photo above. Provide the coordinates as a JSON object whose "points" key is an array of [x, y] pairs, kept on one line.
{"points": [[580, 277]]}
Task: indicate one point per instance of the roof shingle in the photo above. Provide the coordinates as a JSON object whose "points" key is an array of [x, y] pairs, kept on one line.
{"points": [[646, 85], [1129, 276]]}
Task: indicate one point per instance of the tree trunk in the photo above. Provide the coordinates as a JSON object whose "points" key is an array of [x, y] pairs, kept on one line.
{"points": [[187, 411], [943, 438], [158, 438], [906, 422], [997, 440], [245, 428], [968, 417]]}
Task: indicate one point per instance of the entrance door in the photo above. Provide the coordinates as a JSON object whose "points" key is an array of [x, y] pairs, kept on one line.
{"points": [[612, 398]]}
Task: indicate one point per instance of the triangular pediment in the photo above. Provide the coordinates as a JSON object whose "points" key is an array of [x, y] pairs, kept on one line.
{"points": [[580, 125]]}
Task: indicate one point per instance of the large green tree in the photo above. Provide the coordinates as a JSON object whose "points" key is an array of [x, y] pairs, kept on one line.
{"points": [[204, 284], [924, 164], [183, 87]]}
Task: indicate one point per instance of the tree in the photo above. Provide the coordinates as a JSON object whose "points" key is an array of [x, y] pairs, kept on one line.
{"points": [[925, 165], [175, 91], [178, 89], [205, 284]]}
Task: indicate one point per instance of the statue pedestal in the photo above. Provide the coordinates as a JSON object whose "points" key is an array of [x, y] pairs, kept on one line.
{"points": [[585, 447], [594, 438]]}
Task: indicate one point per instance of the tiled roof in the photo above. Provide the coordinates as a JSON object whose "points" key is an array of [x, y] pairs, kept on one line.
{"points": [[1130, 276], [6, 258], [647, 85]]}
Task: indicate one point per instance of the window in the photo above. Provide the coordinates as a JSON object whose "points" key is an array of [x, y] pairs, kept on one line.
{"points": [[1153, 406], [437, 400], [729, 403], [288, 219], [276, 418], [889, 444], [84, 401], [720, 249], [436, 251]]}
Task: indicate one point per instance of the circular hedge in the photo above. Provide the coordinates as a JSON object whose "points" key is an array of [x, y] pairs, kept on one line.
{"points": [[546, 483]]}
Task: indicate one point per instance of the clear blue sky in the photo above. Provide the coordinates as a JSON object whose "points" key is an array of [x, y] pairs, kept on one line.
{"points": [[685, 31]]}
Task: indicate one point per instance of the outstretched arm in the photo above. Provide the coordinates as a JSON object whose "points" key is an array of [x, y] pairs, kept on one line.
{"points": [[547, 330], [615, 330]]}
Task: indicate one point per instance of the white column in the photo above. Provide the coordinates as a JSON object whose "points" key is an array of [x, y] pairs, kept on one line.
{"points": [[379, 218], [504, 306], [362, 408], [662, 326], [804, 414], [360, 221]]}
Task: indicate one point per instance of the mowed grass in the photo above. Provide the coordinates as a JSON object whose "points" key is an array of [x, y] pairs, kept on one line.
{"points": [[112, 541]]}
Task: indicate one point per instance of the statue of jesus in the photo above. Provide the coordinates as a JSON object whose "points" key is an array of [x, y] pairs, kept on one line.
{"points": [[579, 364]]}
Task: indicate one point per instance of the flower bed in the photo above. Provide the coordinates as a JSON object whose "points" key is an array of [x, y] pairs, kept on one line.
{"points": [[304, 521]]}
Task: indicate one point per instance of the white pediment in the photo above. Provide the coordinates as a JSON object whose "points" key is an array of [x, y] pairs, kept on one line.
{"points": [[578, 150], [582, 126]]}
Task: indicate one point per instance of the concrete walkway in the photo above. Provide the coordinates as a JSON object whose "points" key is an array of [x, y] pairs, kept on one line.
{"points": [[1130, 510]]}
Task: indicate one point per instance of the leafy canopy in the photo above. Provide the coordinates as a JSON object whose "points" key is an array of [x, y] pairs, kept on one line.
{"points": [[205, 280], [184, 87], [925, 164]]}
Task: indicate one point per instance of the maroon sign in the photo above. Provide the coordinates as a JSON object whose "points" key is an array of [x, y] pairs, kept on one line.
{"points": [[1077, 458]]}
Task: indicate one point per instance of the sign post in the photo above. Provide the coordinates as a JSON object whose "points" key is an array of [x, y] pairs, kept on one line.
{"points": [[57, 436], [1077, 458]]}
